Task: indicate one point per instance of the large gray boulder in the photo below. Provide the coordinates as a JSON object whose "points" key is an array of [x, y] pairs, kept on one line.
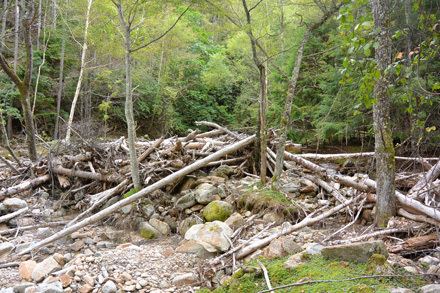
{"points": [[186, 201], [359, 252], [205, 193], [14, 204], [160, 226], [213, 236], [147, 231], [44, 268], [432, 288]]}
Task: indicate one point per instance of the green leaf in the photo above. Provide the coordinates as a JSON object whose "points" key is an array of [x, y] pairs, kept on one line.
{"points": [[367, 52]]}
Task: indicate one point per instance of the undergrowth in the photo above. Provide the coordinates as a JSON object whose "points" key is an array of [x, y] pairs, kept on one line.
{"points": [[317, 268]]}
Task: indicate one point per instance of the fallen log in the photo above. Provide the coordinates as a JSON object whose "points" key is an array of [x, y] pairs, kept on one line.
{"points": [[150, 149], [416, 244], [114, 178], [7, 217], [142, 193], [402, 199], [215, 125], [29, 184], [424, 185]]}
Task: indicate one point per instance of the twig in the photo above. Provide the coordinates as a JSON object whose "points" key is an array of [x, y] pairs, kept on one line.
{"points": [[9, 264], [345, 280], [7, 217], [33, 227], [266, 275], [381, 232]]}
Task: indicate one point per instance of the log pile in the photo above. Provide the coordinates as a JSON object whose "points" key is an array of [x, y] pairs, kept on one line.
{"points": [[101, 170]]}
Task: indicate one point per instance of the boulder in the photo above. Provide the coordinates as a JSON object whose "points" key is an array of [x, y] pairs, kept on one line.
{"points": [[281, 247], [53, 287], [290, 188], [217, 211], [273, 216], [5, 248], [314, 248], [185, 279], [223, 171], [212, 236], [160, 226], [192, 232], [193, 247], [186, 201], [186, 224], [147, 231], [432, 288], [235, 220], [14, 204], [400, 290], [25, 269], [20, 288], [44, 268], [205, 193], [377, 265], [359, 252]]}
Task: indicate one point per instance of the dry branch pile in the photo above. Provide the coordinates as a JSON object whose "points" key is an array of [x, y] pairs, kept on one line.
{"points": [[87, 175]]}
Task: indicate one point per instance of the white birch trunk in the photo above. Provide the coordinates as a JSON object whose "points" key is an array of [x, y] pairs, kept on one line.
{"points": [[81, 74]]}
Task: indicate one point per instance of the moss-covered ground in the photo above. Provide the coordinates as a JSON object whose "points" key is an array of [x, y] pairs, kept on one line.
{"points": [[317, 268]]}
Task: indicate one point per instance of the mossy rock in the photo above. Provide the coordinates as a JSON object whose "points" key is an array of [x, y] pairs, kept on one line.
{"points": [[217, 211], [377, 264]]}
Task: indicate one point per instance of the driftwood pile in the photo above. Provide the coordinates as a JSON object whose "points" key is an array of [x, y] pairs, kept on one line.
{"points": [[101, 171]]}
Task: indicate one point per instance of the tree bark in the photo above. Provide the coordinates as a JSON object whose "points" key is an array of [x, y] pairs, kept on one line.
{"points": [[24, 186], [115, 178], [81, 74], [129, 116], [384, 148], [142, 193], [5, 13]]}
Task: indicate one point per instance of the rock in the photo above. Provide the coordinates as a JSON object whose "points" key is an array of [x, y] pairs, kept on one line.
{"points": [[281, 247], [44, 268], [377, 265], [126, 210], [186, 201], [25, 269], [22, 246], [5, 248], [147, 231], [314, 248], [66, 280], [290, 188], [433, 288], [14, 204], [20, 288], [44, 232], [86, 288], [164, 284], [222, 191], [212, 236], [129, 288], [54, 287], [359, 252], [60, 258], [307, 189], [171, 222], [224, 171], [185, 279], [273, 216], [205, 192], [235, 220], [400, 290], [193, 247], [89, 280], [77, 245], [185, 225], [217, 211], [411, 270], [429, 260], [33, 289], [160, 226], [192, 232], [110, 202], [147, 210], [188, 184], [109, 287]]}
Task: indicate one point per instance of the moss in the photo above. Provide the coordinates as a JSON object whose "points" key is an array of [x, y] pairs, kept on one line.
{"points": [[217, 211], [238, 274], [147, 234], [317, 268], [131, 192]]}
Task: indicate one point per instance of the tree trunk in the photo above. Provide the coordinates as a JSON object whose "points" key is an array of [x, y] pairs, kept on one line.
{"points": [[384, 148], [129, 116], [39, 24], [263, 132], [81, 74], [5, 13], [285, 119], [60, 88]]}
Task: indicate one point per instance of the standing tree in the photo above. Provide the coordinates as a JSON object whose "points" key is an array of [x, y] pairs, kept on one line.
{"points": [[24, 84], [127, 16], [384, 148]]}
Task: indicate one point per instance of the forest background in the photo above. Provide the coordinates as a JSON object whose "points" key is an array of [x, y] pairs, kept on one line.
{"points": [[203, 69]]}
